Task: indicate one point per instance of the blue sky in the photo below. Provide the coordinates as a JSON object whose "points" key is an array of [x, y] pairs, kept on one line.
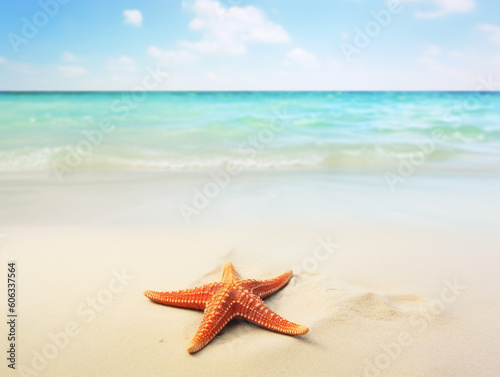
{"points": [[250, 44]]}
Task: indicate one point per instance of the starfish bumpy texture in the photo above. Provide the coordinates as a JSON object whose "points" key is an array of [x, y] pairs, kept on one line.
{"points": [[228, 299]]}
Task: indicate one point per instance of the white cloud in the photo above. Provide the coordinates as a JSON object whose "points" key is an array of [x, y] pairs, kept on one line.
{"points": [[211, 76], [122, 63], [215, 78], [22, 68], [154, 51], [71, 71], [445, 7], [302, 57], [493, 30], [429, 57], [68, 57], [132, 17], [231, 33], [172, 57], [432, 50], [456, 54], [431, 60]]}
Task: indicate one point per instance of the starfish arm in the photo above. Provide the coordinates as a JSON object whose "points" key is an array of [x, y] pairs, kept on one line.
{"points": [[228, 299], [256, 311], [195, 298], [229, 274], [217, 314], [265, 288]]}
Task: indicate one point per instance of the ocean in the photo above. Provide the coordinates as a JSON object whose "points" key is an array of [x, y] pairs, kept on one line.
{"points": [[180, 158], [254, 130]]}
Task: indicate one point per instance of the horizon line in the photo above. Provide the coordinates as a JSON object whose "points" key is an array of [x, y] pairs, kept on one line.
{"points": [[3, 91]]}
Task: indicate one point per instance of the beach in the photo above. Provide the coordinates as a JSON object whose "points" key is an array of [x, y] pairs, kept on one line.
{"points": [[386, 213]]}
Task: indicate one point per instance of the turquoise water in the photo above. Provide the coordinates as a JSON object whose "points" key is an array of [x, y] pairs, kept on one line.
{"points": [[255, 130]]}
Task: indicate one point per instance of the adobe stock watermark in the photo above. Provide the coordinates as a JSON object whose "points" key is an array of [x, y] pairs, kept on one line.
{"points": [[221, 178], [86, 311], [31, 26], [424, 148], [363, 36], [419, 322], [409, 163], [455, 116], [322, 251], [74, 156]]}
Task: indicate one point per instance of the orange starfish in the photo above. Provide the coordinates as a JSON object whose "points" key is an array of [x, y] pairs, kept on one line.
{"points": [[228, 299]]}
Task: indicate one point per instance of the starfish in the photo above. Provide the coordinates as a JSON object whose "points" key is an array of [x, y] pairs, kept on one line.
{"points": [[228, 299]]}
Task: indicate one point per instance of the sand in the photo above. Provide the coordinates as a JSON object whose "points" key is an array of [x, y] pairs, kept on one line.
{"points": [[407, 299], [389, 283]]}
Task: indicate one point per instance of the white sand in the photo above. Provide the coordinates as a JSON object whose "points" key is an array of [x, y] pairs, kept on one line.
{"points": [[379, 304]]}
